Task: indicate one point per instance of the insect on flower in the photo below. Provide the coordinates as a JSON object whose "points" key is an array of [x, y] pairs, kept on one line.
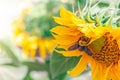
{"points": [[81, 45], [101, 43], [83, 41]]}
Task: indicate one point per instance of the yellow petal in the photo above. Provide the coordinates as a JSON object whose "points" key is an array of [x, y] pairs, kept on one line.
{"points": [[65, 13], [42, 49], [26, 52], [114, 72], [107, 69], [32, 53], [65, 47], [33, 42], [102, 72], [71, 53], [119, 64], [22, 40], [59, 20], [70, 16], [94, 70], [67, 18], [66, 39], [60, 30], [80, 67], [99, 71], [64, 21], [50, 45]]}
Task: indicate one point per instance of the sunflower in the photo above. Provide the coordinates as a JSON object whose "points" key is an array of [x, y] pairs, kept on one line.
{"points": [[18, 25], [32, 46], [35, 47], [99, 46]]}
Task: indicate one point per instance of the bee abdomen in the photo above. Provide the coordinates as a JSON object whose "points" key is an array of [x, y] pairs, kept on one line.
{"points": [[81, 48]]}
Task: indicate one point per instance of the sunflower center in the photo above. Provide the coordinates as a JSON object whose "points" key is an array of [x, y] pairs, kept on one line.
{"points": [[109, 52]]}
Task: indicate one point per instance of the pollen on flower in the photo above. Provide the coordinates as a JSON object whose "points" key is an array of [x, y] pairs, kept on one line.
{"points": [[109, 53]]}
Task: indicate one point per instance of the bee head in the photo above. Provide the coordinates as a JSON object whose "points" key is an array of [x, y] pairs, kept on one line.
{"points": [[83, 41]]}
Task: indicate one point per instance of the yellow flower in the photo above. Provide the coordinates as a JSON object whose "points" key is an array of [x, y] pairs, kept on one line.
{"points": [[99, 46], [32, 46], [18, 25], [46, 46]]}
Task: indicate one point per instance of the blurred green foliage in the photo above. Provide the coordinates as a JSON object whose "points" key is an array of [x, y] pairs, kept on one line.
{"points": [[40, 20], [10, 53], [103, 4]]}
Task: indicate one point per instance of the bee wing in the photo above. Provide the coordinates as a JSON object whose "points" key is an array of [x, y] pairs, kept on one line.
{"points": [[87, 50], [73, 47]]}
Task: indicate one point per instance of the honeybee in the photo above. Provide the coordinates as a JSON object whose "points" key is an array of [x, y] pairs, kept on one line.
{"points": [[82, 45], [76, 46], [83, 41]]}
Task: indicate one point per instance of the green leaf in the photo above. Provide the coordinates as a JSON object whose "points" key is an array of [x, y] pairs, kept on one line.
{"points": [[118, 23], [82, 3], [27, 76], [10, 64], [105, 19], [59, 65], [103, 4], [36, 66], [119, 5], [10, 53]]}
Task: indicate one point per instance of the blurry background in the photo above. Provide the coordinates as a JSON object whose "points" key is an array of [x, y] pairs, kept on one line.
{"points": [[18, 61], [14, 65], [9, 10]]}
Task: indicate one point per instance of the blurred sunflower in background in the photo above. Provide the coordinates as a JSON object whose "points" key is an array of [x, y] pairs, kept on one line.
{"points": [[31, 29], [31, 34], [32, 44], [95, 37]]}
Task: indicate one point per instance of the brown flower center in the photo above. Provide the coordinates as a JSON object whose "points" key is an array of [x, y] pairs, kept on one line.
{"points": [[109, 52]]}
